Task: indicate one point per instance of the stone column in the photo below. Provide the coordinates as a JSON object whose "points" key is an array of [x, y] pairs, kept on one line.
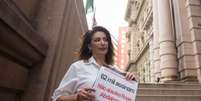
{"points": [[168, 60], [156, 56], [151, 54]]}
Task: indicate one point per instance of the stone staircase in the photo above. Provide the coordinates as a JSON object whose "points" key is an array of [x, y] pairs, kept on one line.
{"points": [[169, 92]]}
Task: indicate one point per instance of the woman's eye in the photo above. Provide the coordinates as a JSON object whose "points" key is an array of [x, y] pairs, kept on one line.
{"points": [[96, 40], [99, 39], [105, 39]]}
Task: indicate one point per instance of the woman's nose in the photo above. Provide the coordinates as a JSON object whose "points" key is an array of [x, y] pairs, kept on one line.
{"points": [[102, 42]]}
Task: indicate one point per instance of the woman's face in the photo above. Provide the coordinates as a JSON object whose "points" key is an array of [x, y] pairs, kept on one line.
{"points": [[99, 44]]}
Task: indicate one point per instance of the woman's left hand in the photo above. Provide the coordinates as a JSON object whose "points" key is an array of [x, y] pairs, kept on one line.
{"points": [[130, 76]]}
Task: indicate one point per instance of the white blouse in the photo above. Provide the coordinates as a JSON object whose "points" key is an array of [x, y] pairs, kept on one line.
{"points": [[80, 75]]}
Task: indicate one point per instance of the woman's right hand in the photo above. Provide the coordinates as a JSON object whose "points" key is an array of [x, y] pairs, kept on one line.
{"points": [[86, 94]]}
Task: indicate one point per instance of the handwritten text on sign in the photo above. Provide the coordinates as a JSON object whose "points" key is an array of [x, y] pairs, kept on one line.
{"points": [[111, 86]]}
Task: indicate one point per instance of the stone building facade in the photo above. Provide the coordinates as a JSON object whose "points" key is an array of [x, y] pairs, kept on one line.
{"points": [[165, 39], [139, 15], [38, 40]]}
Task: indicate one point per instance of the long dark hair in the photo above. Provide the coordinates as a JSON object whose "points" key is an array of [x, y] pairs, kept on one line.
{"points": [[85, 53]]}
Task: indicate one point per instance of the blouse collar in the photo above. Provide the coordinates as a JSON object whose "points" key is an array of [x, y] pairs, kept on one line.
{"points": [[93, 61]]}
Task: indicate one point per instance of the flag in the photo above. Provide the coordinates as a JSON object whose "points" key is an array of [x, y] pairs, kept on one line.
{"points": [[89, 6]]}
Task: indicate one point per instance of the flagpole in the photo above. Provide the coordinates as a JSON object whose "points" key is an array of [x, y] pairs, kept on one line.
{"points": [[94, 22]]}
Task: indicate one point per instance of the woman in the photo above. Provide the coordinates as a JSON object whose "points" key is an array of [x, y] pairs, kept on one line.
{"points": [[96, 51]]}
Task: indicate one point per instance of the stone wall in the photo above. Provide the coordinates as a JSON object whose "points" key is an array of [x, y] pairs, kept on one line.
{"points": [[39, 39]]}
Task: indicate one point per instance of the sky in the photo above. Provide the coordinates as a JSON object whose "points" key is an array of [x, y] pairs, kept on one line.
{"points": [[110, 14]]}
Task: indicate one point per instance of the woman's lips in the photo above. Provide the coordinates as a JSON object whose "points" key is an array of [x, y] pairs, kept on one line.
{"points": [[102, 49]]}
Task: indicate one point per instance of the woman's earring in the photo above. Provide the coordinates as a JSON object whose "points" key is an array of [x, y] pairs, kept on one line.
{"points": [[89, 49]]}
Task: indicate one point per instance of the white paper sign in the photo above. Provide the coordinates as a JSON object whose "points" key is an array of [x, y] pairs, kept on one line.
{"points": [[112, 86]]}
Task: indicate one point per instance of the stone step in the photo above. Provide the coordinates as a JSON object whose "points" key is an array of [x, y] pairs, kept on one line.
{"points": [[170, 85], [168, 98], [168, 91]]}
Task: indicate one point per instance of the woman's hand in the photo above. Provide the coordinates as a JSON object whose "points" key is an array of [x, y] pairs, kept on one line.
{"points": [[86, 94], [130, 76]]}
